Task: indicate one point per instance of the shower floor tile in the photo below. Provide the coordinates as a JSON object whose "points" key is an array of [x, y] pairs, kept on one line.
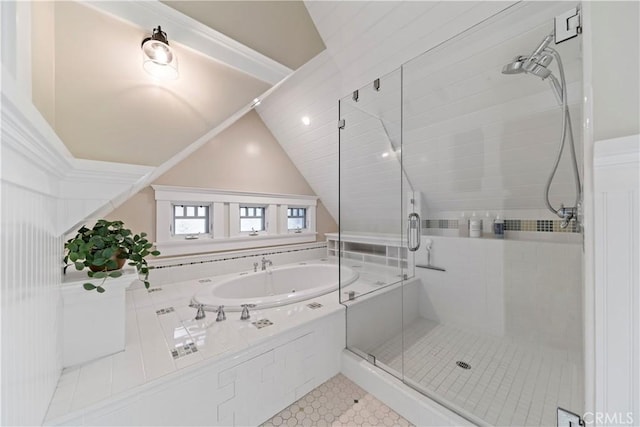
{"points": [[507, 383], [337, 402]]}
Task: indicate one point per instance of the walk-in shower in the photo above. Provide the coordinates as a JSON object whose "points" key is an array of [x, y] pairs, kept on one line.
{"points": [[537, 65], [494, 330]]}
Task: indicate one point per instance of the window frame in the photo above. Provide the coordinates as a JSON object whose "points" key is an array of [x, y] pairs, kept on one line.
{"points": [[224, 219], [304, 217], [207, 218], [263, 218]]}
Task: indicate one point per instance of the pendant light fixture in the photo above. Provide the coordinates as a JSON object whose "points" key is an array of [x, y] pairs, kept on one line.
{"points": [[158, 59]]}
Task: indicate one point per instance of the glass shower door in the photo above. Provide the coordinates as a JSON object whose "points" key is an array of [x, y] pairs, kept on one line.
{"points": [[493, 331], [372, 240]]}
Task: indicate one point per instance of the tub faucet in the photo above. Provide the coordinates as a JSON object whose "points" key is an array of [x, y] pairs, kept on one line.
{"points": [[221, 316], [200, 314], [245, 311], [265, 262]]}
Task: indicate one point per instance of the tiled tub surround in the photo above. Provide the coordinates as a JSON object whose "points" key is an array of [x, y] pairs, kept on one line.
{"points": [[213, 371], [178, 269]]}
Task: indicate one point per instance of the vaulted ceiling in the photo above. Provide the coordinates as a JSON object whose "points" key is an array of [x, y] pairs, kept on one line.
{"points": [[89, 84], [365, 41], [306, 56]]}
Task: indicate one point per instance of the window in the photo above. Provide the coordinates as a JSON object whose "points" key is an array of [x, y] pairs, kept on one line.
{"points": [[252, 218], [296, 218], [190, 219]]}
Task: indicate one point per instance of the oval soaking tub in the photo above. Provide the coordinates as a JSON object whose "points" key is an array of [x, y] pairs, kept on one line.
{"points": [[275, 286]]}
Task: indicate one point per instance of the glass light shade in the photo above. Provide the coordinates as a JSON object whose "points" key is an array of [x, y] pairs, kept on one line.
{"points": [[159, 60]]}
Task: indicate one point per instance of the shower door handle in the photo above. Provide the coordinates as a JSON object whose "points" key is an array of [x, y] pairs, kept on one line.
{"points": [[414, 231]]}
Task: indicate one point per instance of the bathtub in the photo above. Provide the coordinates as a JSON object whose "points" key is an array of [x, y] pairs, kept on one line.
{"points": [[275, 287]]}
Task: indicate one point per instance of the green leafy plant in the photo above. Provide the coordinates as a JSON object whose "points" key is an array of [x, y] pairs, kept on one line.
{"points": [[104, 248]]}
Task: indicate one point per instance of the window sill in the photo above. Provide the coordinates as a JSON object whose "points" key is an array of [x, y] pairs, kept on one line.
{"points": [[182, 246]]}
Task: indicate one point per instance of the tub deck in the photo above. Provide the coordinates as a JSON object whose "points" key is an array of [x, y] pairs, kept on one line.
{"points": [[163, 340]]}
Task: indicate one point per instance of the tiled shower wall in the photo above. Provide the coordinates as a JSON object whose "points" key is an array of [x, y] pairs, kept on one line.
{"points": [[31, 304], [527, 290]]}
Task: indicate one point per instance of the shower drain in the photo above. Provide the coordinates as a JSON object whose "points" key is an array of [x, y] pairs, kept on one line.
{"points": [[463, 365]]}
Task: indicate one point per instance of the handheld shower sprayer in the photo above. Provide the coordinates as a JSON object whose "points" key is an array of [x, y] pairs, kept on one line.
{"points": [[537, 64]]}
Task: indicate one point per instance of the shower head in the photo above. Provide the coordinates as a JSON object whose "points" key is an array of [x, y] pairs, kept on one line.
{"points": [[537, 64]]}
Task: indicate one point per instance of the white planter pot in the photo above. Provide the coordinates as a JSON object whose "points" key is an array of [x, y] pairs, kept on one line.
{"points": [[93, 323]]}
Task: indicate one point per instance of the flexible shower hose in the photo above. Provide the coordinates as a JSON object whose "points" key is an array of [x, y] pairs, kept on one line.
{"points": [[566, 128]]}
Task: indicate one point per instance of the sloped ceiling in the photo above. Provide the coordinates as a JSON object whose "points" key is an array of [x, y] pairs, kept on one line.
{"points": [[94, 93], [365, 40], [280, 30]]}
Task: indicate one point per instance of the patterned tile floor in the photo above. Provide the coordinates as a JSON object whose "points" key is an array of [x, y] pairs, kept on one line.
{"points": [[508, 383], [338, 402]]}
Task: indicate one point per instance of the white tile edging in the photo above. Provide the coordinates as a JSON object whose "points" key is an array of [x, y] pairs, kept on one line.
{"points": [[407, 402]]}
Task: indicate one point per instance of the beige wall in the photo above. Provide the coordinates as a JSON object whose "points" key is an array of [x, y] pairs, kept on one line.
{"points": [[89, 83], [43, 59], [616, 67], [245, 157]]}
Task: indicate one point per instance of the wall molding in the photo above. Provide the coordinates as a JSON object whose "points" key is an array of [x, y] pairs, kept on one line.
{"points": [[34, 157], [617, 276], [194, 34]]}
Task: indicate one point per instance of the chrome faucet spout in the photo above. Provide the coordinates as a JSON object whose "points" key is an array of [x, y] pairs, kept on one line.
{"points": [[265, 262]]}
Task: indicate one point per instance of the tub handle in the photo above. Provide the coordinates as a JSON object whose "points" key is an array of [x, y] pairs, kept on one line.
{"points": [[200, 314], [245, 311], [221, 316]]}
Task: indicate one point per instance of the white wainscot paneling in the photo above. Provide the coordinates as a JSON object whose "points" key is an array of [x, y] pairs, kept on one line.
{"points": [[617, 277], [45, 192], [31, 305]]}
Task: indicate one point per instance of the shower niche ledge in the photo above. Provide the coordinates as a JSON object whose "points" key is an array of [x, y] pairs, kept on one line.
{"points": [[382, 249]]}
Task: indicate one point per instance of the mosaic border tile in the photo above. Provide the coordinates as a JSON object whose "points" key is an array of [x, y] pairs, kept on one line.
{"points": [[165, 311], [185, 350], [262, 323], [529, 225], [321, 245], [153, 290]]}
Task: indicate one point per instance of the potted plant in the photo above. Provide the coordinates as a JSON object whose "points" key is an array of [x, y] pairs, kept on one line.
{"points": [[105, 248]]}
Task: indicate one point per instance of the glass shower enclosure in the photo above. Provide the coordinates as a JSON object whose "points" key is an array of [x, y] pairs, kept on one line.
{"points": [[490, 326]]}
